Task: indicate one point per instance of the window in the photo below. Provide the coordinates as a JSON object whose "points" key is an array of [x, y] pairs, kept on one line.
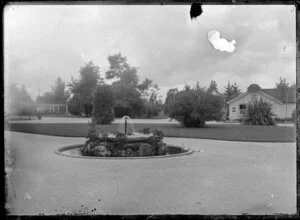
{"points": [[242, 108], [233, 109]]}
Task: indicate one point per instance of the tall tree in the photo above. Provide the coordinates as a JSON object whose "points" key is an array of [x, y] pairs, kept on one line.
{"points": [[213, 86], [236, 90], [282, 88], [231, 91], [84, 87], [149, 90], [60, 94], [120, 69], [171, 94], [127, 98]]}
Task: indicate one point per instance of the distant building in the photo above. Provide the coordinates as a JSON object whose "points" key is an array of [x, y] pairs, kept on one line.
{"points": [[46, 107], [283, 103]]}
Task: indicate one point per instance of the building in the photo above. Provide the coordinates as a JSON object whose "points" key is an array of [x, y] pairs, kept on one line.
{"points": [[45, 106], [283, 102]]}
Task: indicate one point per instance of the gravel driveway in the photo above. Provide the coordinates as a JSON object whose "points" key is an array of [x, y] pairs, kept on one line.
{"points": [[220, 177]]}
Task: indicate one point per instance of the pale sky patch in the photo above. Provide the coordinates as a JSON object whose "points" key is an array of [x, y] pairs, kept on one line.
{"points": [[220, 43]]}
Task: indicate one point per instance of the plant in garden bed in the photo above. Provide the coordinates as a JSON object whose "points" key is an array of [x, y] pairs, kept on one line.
{"points": [[259, 113], [119, 145]]}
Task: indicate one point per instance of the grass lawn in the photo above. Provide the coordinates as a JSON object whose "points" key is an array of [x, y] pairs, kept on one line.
{"points": [[227, 132]]}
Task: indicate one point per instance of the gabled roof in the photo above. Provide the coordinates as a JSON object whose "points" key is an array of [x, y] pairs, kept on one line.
{"points": [[288, 96], [260, 92]]}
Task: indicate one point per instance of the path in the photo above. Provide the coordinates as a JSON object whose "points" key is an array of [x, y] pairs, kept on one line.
{"points": [[221, 177]]}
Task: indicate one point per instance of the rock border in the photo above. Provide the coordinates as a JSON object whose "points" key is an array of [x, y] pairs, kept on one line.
{"points": [[60, 151]]}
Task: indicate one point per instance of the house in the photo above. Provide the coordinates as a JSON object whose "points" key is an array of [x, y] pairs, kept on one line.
{"points": [[283, 103]]}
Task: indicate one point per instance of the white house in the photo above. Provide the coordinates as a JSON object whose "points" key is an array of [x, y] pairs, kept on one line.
{"points": [[283, 103]]}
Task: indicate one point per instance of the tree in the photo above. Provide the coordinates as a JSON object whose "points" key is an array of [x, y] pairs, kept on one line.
{"points": [[150, 94], [282, 88], [75, 106], [127, 98], [213, 86], [169, 99], [235, 90], [58, 94], [19, 101], [193, 106], [231, 91], [103, 111], [84, 87], [118, 65]]}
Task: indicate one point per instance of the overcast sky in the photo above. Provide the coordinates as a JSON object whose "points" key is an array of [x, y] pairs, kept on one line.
{"points": [[243, 44]]}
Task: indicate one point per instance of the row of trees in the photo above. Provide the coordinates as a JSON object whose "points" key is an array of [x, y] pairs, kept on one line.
{"points": [[231, 91], [129, 96]]}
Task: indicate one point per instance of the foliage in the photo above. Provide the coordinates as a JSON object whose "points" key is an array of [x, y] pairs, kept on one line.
{"points": [[145, 130], [193, 106], [294, 116], [231, 91], [99, 144], [282, 84], [253, 88], [150, 94], [152, 109], [103, 111], [58, 94], [131, 98], [212, 87], [75, 106], [19, 101], [283, 87], [171, 94], [127, 98], [259, 113], [121, 111], [84, 88]]}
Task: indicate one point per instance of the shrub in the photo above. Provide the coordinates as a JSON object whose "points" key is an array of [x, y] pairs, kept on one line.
{"points": [[259, 113], [75, 106], [152, 109], [103, 111], [121, 111], [192, 107]]}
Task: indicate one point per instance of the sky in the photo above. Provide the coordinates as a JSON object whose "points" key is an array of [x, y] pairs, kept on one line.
{"points": [[243, 44]]}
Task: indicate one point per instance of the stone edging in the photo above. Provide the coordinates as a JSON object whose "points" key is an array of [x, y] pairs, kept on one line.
{"points": [[61, 149]]}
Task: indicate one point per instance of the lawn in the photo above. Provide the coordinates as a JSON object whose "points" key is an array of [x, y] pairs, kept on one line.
{"points": [[228, 132]]}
